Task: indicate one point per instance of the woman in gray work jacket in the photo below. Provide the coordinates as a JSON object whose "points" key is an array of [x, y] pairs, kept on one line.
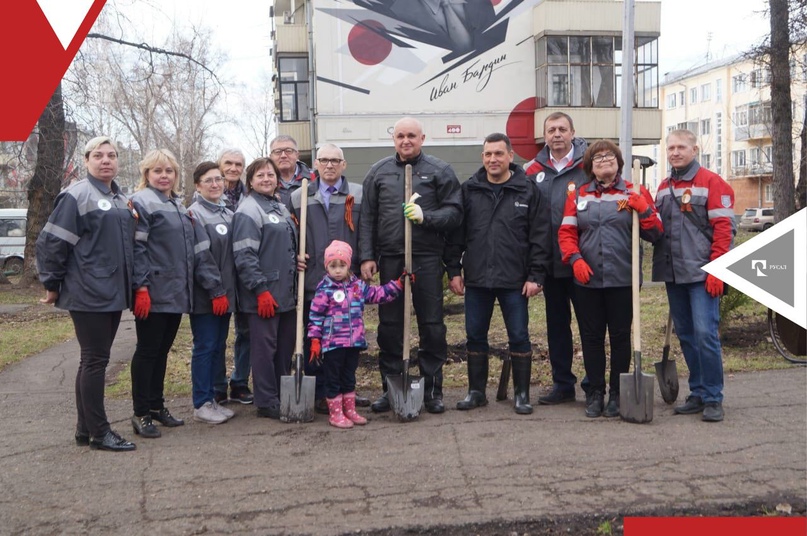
{"points": [[210, 320], [84, 257], [163, 282], [265, 250]]}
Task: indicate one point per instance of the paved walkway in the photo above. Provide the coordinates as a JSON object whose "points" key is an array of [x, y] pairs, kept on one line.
{"points": [[259, 476]]}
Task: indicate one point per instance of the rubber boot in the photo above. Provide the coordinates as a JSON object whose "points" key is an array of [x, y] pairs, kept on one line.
{"points": [[337, 418], [349, 405], [477, 381], [522, 364]]}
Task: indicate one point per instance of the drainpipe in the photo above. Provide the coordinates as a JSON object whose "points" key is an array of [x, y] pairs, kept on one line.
{"points": [[312, 80]]}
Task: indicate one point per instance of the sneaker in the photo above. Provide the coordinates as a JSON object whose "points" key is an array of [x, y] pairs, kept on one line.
{"points": [[241, 394], [208, 414], [693, 404], [712, 412], [228, 413]]}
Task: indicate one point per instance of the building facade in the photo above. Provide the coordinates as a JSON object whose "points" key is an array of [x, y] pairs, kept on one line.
{"points": [[727, 103], [347, 70]]}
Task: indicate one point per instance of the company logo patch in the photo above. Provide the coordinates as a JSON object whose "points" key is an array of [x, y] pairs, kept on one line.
{"points": [[725, 200], [540, 177], [274, 219], [104, 204], [221, 229]]}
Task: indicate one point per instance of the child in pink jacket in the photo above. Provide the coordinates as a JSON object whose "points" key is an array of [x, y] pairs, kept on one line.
{"points": [[336, 329]]}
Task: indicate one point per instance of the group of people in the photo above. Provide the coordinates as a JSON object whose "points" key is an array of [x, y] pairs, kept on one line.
{"points": [[560, 225]]}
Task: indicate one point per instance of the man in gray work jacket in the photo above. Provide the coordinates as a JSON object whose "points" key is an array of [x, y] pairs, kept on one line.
{"points": [[381, 249]]}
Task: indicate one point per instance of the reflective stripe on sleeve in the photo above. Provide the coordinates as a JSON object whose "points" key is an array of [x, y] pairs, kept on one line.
{"points": [[61, 233], [246, 243]]}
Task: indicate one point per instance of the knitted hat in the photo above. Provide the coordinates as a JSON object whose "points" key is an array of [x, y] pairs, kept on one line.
{"points": [[338, 250]]}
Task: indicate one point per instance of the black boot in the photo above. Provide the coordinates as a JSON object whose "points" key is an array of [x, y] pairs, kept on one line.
{"points": [[595, 406], [522, 364], [477, 381]]}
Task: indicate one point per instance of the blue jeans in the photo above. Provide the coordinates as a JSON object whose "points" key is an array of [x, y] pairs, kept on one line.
{"points": [[696, 316], [479, 309], [207, 358], [240, 374]]}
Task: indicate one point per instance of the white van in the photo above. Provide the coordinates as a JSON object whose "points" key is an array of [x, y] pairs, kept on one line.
{"points": [[12, 239]]}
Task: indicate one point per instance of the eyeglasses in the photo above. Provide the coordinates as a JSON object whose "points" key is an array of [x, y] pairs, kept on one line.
{"points": [[333, 161], [607, 157], [288, 151], [210, 180]]}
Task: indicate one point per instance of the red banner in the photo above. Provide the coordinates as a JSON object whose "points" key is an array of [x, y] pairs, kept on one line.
{"points": [[712, 526], [35, 58]]}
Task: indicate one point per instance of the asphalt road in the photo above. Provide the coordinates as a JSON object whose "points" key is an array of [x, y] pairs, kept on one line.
{"points": [[458, 469]]}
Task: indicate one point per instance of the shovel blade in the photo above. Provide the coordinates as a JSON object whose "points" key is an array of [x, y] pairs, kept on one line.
{"points": [[636, 403], [667, 375], [294, 408], [406, 399]]}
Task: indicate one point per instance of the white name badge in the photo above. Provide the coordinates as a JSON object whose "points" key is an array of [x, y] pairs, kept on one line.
{"points": [[104, 204], [339, 296], [221, 229]]}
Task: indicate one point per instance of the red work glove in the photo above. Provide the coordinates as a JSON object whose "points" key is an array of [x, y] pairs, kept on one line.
{"points": [[714, 286], [142, 304], [582, 271], [266, 304], [638, 203], [403, 276], [316, 351], [220, 305]]}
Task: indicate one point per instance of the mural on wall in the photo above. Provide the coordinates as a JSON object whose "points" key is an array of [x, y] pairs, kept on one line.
{"points": [[431, 56]]}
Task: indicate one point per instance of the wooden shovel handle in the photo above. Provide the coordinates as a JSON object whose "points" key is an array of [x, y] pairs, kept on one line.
{"points": [[407, 320], [298, 342], [635, 264]]}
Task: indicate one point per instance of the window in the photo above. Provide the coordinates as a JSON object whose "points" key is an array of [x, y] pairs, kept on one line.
{"points": [[706, 160], [706, 92], [719, 140], [768, 198], [755, 155], [738, 159], [12, 228], [693, 95], [671, 101], [585, 71], [739, 83], [719, 90], [759, 114], [767, 151], [706, 127], [760, 78], [740, 116], [682, 98], [293, 89]]}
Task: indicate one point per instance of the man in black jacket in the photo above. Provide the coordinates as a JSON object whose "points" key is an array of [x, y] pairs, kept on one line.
{"points": [[437, 211], [506, 241]]}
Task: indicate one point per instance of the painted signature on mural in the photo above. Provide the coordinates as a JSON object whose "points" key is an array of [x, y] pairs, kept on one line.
{"points": [[474, 72]]}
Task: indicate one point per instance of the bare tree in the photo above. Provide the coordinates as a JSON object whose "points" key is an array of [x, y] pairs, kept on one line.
{"points": [[781, 112], [257, 123]]}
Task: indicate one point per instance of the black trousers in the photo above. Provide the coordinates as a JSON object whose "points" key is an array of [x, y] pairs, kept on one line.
{"points": [[559, 295], [271, 347], [95, 333], [427, 298], [155, 336], [598, 309], [340, 366]]}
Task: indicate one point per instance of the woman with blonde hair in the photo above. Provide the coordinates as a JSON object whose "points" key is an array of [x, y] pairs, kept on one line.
{"points": [[163, 283]]}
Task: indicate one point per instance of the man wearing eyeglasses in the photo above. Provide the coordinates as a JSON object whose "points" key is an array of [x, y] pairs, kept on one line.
{"points": [[558, 170], [437, 211], [283, 152], [333, 214]]}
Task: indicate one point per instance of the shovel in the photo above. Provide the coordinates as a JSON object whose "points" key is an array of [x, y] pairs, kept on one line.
{"points": [[297, 391], [666, 372], [405, 392], [636, 389]]}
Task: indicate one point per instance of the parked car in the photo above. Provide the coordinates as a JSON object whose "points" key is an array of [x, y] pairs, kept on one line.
{"points": [[12, 239], [756, 219]]}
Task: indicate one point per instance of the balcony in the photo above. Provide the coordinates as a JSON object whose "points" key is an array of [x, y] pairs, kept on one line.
{"points": [[757, 131], [752, 170], [291, 38]]}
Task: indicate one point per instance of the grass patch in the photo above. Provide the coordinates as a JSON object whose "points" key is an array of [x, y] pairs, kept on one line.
{"points": [[20, 339]]}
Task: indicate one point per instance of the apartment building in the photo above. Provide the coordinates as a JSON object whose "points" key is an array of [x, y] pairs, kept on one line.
{"points": [[347, 70], [727, 104]]}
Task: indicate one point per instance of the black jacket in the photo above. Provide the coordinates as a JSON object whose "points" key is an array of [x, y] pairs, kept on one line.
{"points": [[506, 239], [381, 229]]}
